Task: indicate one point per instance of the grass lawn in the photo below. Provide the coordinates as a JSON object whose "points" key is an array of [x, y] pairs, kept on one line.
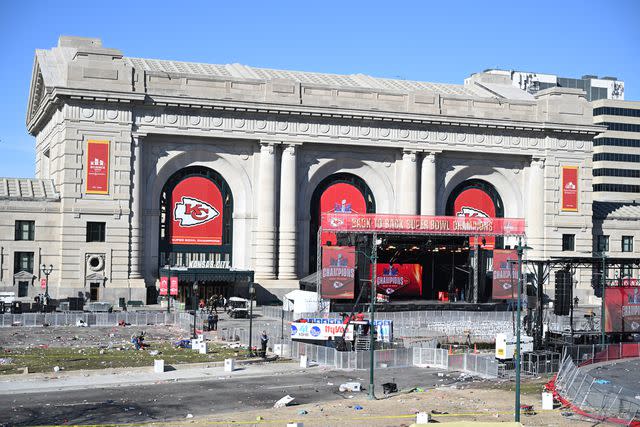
{"points": [[73, 358]]}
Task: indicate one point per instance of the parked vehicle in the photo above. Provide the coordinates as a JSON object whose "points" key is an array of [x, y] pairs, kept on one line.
{"points": [[238, 307]]}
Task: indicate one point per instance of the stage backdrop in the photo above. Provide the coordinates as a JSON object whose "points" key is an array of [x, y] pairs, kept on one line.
{"points": [[340, 198], [338, 272], [399, 280], [622, 309], [503, 282], [475, 203], [196, 212]]}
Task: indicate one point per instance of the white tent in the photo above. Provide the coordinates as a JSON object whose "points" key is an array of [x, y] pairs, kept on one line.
{"points": [[300, 302]]}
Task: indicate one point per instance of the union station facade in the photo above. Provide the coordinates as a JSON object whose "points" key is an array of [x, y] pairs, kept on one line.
{"points": [[217, 174]]}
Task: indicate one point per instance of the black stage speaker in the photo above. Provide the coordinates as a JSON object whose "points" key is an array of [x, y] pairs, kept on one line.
{"points": [[562, 303]]}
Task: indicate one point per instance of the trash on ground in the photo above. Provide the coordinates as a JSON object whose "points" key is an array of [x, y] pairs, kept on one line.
{"points": [[388, 388], [527, 409], [189, 416], [302, 412], [358, 408], [600, 381], [350, 386], [436, 412], [284, 401]]}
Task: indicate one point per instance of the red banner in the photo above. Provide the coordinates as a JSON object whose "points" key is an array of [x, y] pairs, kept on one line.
{"points": [[505, 274], [164, 282], [174, 286], [475, 203], [570, 188], [622, 309], [338, 272], [97, 171], [341, 198], [428, 225], [43, 283], [399, 279], [196, 212]]}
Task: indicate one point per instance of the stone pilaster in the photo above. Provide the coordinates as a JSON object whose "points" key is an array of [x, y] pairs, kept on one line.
{"points": [[288, 188], [535, 206], [428, 185], [264, 262], [135, 257], [408, 191]]}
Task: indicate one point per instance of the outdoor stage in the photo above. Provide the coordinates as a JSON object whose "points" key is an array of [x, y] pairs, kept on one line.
{"points": [[419, 305]]}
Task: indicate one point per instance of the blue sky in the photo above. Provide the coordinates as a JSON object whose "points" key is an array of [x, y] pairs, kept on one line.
{"points": [[438, 41]]}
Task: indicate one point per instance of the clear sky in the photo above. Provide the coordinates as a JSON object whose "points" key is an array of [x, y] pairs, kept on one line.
{"points": [[438, 41]]}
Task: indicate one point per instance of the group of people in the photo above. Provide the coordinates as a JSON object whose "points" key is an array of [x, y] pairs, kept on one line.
{"points": [[214, 302], [138, 340]]}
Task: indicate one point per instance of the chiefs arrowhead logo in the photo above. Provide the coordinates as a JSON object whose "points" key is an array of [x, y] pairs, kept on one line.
{"points": [[335, 222], [192, 212], [467, 211]]}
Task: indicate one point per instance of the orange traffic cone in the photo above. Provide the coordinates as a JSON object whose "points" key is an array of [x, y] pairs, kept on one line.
{"points": [[475, 349]]}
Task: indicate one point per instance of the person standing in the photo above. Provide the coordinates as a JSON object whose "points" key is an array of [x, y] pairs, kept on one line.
{"points": [[215, 322], [264, 339]]}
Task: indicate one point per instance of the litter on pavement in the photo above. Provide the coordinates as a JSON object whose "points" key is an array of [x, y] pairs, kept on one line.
{"points": [[284, 401]]}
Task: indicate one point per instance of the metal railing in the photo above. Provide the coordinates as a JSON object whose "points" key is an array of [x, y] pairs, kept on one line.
{"points": [[135, 318], [595, 398]]}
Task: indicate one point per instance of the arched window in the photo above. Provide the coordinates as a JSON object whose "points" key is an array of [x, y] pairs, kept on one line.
{"points": [[341, 192], [196, 216], [476, 197]]}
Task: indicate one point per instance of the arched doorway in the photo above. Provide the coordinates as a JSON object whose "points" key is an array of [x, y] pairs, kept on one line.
{"points": [[341, 192], [475, 198], [196, 227]]}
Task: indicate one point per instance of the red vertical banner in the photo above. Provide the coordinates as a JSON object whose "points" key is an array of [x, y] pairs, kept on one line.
{"points": [[43, 283], [622, 309], [164, 282], [505, 274], [174, 286], [196, 204], [340, 198], [338, 272], [475, 203], [570, 188], [97, 168]]}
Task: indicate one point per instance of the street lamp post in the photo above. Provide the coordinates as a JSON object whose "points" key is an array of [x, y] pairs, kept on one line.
{"points": [[372, 328], [520, 250], [604, 287], [47, 271], [195, 307], [169, 284], [252, 291]]}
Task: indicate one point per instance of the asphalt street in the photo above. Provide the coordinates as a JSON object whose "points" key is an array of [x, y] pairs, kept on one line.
{"points": [[171, 401], [623, 373]]}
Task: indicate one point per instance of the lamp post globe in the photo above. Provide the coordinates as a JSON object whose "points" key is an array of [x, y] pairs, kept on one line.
{"points": [[47, 271]]}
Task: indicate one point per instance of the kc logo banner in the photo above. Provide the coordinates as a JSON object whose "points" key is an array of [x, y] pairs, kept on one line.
{"points": [[196, 212], [192, 212]]}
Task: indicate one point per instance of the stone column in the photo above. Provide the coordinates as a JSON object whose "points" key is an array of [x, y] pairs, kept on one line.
{"points": [[408, 191], [135, 257], [534, 214], [428, 185], [288, 189], [265, 230]]}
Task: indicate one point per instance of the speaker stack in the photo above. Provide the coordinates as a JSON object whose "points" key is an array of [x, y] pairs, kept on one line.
{"points": [[564, 284]]}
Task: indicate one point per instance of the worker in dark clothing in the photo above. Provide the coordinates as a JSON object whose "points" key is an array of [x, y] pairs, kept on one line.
{"points": [[210, 322], [215, 322], [264, 339]]}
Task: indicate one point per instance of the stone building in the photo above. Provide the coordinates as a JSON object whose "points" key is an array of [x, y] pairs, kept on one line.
{"points": [[120, 142]]}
